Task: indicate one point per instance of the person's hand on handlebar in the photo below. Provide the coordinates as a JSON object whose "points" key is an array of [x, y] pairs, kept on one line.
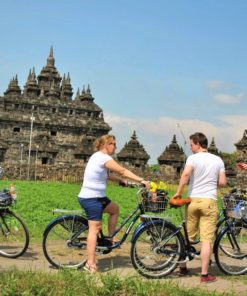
{"points": [[125, 183], [145, 183]]}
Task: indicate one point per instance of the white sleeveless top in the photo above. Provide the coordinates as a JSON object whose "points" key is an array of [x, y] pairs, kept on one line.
{"points": [[95, 176]]}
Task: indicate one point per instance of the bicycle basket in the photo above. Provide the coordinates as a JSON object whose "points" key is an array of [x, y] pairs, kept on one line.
{"points": [[5, 198], [155, 204], [235, 205]]}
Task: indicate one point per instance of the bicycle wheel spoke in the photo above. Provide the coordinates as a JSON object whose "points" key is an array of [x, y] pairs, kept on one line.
{"points": [[231, 252], [156, 251], [64, 244], [14, 237]]}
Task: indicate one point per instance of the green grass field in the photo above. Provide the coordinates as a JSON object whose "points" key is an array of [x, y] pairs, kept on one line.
{"points": [[35, 203], [36, 200], [72, 283]]}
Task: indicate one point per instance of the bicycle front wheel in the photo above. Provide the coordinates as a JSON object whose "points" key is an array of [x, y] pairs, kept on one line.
{"points": [[231, 250], [156, 249], [65, 242], [14, 235]]}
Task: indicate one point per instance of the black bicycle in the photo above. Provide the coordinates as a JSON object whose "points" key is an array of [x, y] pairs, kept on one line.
{"points": [[14, 235], [160, 246], [230, 248], [65, 238], [230, 200]]}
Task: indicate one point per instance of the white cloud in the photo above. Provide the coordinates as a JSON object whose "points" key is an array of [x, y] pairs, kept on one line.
{"points": [[156, 133], [229, 99], [215, 84]]}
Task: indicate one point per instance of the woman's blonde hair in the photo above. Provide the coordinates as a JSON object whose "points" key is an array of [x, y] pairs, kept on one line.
{"points": [[100, 142]]}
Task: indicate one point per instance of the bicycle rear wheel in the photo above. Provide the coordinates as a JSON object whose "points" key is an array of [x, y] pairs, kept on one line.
{"points": [[156, 249], [14, 235], [65, 242], [231, 250]]}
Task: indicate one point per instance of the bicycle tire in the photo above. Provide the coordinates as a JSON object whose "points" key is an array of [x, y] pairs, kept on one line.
{"points": [[14, 235], [231, 250], [157, 249], [65, 242]]}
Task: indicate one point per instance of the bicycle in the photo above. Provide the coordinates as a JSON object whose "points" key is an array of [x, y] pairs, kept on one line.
{"points": [[233, 195], [161, 246], [65, 238], [230, 248], [14, 235]]}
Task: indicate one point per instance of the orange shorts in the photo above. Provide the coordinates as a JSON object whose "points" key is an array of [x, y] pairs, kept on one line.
{"points": [[202, 214]]}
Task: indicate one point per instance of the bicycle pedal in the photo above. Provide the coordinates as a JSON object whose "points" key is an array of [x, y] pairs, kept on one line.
{"points": [[197, 256], [185, 260]]}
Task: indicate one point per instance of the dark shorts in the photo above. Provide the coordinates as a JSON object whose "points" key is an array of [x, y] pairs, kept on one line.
{"points": [[94, 207]]}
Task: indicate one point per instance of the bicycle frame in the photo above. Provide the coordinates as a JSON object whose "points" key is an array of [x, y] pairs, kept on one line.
{"points": [[132, 218], [228, 225], [189, 250]]}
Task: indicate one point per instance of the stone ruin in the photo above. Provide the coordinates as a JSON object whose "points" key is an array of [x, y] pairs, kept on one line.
{"points": [[171, 162], [235, 176], [45, 134], [241, 176], [134, 156]]}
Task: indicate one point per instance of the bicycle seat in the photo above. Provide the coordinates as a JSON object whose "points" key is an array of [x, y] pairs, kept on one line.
{"points": [[179, 202]]}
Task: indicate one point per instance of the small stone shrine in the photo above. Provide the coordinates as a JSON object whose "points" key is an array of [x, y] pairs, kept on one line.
{"points": [[172, 162], [133, 155], [242, 157], [230, 170], [45, 134], [212, 148]]}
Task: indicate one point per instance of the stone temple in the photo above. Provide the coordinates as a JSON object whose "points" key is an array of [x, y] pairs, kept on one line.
{"points": [[133, 154], [241, 146], [172, 161], [45, 134]]}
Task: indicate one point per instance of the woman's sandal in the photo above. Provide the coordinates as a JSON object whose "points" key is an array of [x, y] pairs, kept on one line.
{"points": [[89, 268], [115, 241]]}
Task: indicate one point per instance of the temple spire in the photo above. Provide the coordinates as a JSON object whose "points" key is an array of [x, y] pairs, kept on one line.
{"points": [[83, 90], [66, 88], [50, 59], [51, 52], [88, 89], [48, 74], [13, 88]]}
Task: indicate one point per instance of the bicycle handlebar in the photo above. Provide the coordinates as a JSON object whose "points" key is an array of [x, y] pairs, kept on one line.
{"points": [[131, 184]]}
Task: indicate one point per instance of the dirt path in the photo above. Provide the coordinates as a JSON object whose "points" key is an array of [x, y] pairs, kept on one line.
{"points": [[119, 261]]}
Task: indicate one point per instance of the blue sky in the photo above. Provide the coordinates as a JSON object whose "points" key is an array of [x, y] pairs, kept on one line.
{"points": [[151, 65]]}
